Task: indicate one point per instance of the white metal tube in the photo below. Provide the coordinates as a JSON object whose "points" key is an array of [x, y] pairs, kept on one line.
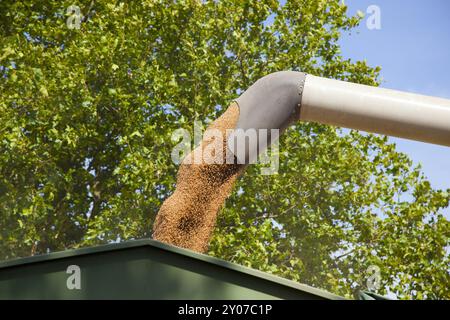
{"points": [[377, 110]]}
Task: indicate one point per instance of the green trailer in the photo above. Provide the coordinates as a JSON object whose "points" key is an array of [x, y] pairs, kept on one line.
{"points": [[142, 269]]}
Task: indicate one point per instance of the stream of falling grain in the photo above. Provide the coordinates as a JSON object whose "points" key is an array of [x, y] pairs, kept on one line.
{"points": [[188, 217]]}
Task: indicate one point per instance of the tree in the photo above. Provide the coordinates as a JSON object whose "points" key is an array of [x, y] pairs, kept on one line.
{"points": [[85, 141]]}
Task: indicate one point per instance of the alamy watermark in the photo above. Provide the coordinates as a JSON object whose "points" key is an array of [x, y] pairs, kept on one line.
{"points": [[373, 21], [75, 17], [234, 146], [373, 281], [73, 282]]}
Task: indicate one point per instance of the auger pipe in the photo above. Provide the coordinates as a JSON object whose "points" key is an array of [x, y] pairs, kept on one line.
{"points": [[282, 98]]}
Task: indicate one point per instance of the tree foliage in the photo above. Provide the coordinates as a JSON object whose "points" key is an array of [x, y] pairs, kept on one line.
{"points": [[85, 141]]}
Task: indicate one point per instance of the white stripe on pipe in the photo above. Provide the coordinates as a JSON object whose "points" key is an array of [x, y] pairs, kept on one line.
{"points": [[377, 110]]}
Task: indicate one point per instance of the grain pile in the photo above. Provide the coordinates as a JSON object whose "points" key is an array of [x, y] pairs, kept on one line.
{"points": [[187, 218]]}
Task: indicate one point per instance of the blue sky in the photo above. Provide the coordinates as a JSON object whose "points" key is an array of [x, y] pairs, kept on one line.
{"points": [[413, 49]]}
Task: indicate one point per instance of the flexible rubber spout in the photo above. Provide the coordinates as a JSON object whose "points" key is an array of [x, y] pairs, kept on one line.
{"points": [[266, 109]]}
